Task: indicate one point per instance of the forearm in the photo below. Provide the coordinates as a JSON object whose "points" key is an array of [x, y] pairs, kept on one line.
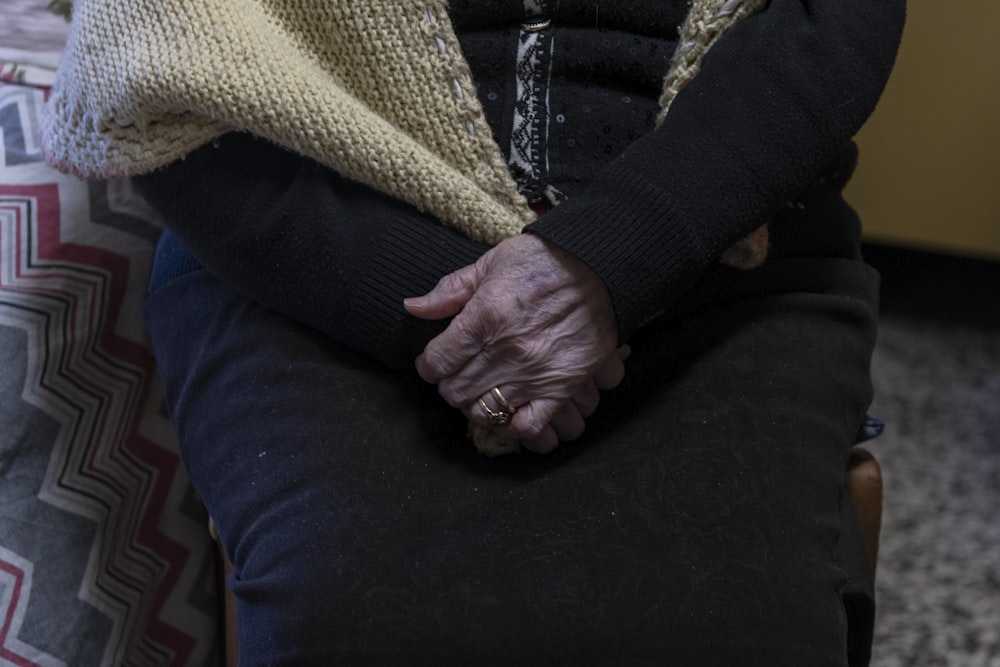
{"points": [[299, 239], [777, 99]]}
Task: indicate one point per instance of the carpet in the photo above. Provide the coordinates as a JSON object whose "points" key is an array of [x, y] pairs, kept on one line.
{"points": [[937, 381]]}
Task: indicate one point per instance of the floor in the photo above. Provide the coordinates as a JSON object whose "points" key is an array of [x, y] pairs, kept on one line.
{"points": [[937, 380]]}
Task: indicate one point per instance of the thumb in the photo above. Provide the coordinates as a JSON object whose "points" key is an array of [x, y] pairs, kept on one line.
{"points": [[447, 298]]}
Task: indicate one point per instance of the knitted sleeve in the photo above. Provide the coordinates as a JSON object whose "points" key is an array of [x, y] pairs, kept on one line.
{"points": [[777, 99], [298, 238]]}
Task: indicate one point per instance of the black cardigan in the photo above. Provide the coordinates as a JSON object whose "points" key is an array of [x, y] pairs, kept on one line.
{"points": [[762, 134]]}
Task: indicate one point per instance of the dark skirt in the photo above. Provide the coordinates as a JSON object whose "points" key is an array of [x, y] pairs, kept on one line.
{"points": [[701, 520]]}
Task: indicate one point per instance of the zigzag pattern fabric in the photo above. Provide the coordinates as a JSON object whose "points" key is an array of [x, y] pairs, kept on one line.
{"points": [[105, 558]]}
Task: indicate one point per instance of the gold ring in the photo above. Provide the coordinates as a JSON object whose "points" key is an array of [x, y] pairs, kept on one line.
{"points": [[498, 417], [507, 407]]}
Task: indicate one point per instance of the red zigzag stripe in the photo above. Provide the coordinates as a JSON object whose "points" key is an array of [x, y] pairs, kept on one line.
{"points": [[96, 375]]}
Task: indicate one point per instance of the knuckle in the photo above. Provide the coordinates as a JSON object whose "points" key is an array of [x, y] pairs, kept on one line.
{"points": [[461, 281], [469, 324], [528, 429], [452, 395], [452, 400], [530, 348], [434, 361]]}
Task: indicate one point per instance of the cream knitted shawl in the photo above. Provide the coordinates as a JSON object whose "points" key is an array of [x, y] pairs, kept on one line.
{"points": [[376, 89]]}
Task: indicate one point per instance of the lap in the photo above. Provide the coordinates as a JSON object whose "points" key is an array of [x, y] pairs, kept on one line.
{"points": [[699, 520]]}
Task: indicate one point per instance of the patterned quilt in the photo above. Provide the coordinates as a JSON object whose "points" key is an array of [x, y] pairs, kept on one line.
{"points": [[105, 557]]}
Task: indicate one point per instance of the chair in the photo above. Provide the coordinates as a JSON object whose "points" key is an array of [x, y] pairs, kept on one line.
{"points": [[864, 484]]}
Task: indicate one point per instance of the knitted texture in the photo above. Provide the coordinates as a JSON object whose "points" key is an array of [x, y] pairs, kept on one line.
{"points": [[706, 22], [375, 89]]}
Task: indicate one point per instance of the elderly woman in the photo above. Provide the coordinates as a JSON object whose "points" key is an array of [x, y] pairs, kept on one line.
{"points": [[395, 225]]}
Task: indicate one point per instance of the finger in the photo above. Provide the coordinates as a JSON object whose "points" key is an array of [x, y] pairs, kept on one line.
{"points": [[448, 297], [586, 399], [522, 373], [528, 422], [568, 423], [543, 443], [624, 352], [479, 375], [485, 409], [610, 372], [532, 418], [459, 344]]}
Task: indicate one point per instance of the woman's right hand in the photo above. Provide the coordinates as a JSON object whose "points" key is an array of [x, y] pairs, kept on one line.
{"points": [[568, 423], [528, 318]]}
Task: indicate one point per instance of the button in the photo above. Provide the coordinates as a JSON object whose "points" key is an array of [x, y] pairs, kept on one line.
{"points": [[536, 23]]}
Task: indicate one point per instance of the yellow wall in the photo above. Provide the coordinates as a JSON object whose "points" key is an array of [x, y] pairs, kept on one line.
{"points": [[930, 155]]}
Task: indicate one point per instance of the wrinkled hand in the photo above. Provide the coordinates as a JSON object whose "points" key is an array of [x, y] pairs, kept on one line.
{"points": [[532, 319], [568, 422]]}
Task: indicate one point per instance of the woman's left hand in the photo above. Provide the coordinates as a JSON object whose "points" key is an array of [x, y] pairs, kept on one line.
{"points": [[529, 318]]}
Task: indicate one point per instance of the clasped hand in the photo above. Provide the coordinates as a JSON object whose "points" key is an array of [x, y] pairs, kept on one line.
{"points": [[533, 320]]}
